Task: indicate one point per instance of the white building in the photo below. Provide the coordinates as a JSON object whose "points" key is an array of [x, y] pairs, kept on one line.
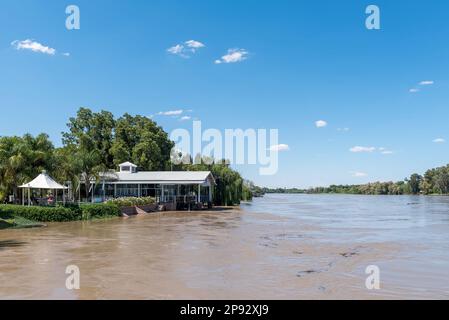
{"points": [[180, 187]]}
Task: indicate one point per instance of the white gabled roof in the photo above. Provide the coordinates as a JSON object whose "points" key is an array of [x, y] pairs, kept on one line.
{"points": [[43, 181], [165, 177], [127, 164]]}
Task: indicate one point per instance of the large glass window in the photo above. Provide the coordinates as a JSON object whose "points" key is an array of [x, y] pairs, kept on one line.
{"points": [[150, 190], [127, 190]]}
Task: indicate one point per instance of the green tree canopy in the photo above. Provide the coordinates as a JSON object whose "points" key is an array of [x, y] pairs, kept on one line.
{"points": [[140, 140]]}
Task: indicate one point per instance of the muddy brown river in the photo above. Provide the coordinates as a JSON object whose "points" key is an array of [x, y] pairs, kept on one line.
{"points": [[277, 247]]}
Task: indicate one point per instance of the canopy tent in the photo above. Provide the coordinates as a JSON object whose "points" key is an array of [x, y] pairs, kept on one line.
{"points": [[43, 181]]}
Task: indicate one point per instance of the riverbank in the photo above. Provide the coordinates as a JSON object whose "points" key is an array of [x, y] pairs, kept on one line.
{"points": [[15, 216], [19, 223]]}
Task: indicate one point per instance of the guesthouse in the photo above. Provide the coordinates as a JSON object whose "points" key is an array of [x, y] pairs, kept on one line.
{"points": [[181, 188]]}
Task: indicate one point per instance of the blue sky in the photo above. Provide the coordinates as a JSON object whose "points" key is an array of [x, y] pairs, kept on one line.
{"points": [[304, 61]]}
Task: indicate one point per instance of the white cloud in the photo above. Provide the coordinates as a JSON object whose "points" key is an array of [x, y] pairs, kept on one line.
{"points": [[185, 49], [343, 129], [185, 118], [66, 54], [233, 56], [320, 124], [194, 44], [359, 149], [177, 49], [439, 140], [171, 113], [279, 147], [422, 83], [385, 151], [33, 46], [358, 174]]}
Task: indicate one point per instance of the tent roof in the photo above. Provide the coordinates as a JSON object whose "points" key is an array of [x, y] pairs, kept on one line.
{"points": [[43, 181]]}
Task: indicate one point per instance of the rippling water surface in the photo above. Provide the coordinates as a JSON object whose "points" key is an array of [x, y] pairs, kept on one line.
{"points": [[277, 247]]}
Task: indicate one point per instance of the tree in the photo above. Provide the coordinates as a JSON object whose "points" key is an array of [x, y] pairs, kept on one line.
{"points": [[414, 183], [441, 180], [92, 131], [22, 159], [89, 167], [140, 140]]}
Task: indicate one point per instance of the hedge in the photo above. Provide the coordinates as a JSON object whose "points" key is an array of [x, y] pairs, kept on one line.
{"points": [[41, 214], [95, 211], [60, 213], [131, 201]]}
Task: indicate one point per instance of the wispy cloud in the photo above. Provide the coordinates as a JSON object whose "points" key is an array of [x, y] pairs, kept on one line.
{"points": [[321, 124], [385, 151], [233, 56], [177, 49], [194, 45], [279, 147], [360, 149], [358, 174], [343, 129], [171, 113], [381, 150], [186, 49], [421, 84], [185, 118], [34, 46], [439, 140]]}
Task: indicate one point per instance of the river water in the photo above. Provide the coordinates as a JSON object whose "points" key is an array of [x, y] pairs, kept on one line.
{"points": [[277, 247]]}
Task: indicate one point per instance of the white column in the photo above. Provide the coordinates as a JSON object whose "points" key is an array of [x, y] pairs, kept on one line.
{"points": [[199, 194], [139, 191], [162, 193], [29, 197]]}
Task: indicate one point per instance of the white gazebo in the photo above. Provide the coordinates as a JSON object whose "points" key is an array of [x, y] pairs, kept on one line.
{"points": [[43, 181]]}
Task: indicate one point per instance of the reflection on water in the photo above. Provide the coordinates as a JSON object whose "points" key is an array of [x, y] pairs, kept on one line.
{"points": [[278, 247]]}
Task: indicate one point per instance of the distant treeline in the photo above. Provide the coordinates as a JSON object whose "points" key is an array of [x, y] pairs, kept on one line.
{"points": [[433, 182]]}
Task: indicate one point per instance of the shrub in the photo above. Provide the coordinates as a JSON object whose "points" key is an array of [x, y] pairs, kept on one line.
{"points": [[41, 214], [71, 212], [95, 211], [132, 201]]}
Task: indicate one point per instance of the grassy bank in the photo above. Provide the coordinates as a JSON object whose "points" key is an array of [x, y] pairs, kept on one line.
{"points": [[19, 223]]}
